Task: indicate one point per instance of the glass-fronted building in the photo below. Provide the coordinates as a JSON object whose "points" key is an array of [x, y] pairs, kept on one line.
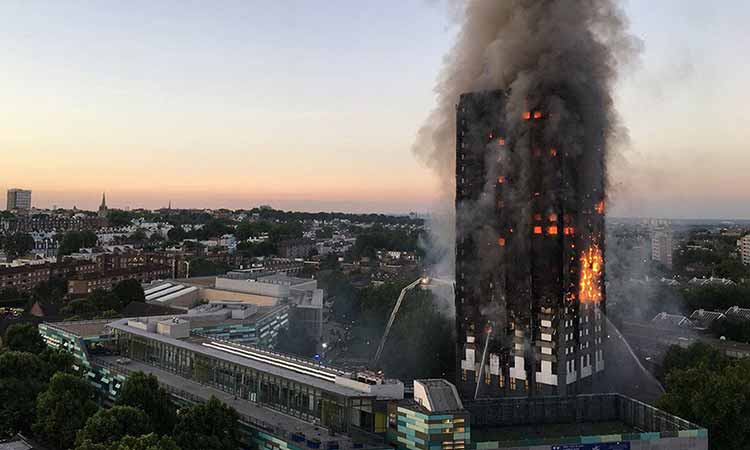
{"points": [[280, 398]]}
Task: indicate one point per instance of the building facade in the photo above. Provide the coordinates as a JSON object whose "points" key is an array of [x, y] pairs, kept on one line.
{"points": [[24, 278], [743, 245], [529, 252], [86, 283], [661, 246], [436, 419], [18, 199], [265, 384], [103, 210]]}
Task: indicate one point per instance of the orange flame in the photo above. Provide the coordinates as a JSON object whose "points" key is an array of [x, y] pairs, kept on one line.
{"points": [[600, 207], [590, 288], [537, 230], [552, 230], [501, 242], [527, 115], [537, 115], [501, 141]]}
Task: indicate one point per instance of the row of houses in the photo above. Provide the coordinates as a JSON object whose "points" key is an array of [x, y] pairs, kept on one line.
{"points": [[702, 319]]}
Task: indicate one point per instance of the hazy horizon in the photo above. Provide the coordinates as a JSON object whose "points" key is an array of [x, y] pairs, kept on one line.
{"points": [[315, 106]]}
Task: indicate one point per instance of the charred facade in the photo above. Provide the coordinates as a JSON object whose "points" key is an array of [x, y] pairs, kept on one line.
{"points": [[529, 237]]}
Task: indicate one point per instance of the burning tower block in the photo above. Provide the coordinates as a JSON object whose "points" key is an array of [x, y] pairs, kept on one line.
{"points": [[529, 248]]}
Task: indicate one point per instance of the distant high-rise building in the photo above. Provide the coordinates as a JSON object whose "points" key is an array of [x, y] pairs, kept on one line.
{"points": [[661, 245], [103, 210], [19, 199], [743, 245], [529, 252]]}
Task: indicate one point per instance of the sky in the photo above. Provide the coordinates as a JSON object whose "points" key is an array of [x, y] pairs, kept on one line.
{"points": [[315, 105]]}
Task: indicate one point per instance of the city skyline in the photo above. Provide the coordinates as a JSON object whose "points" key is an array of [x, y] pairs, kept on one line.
{"points": [[315, 107]]}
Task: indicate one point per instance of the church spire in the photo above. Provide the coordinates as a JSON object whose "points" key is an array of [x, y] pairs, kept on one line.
{"points": [[103, 207]]}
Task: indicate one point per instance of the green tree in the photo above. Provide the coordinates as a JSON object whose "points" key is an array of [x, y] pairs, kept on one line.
{"points": [[142, 391], [12, 297], [208, 426], [96, 303], [256, 249], [339, 289], [24, 338], [200, 267], [18, 244], [716, 399], [58, 361], [50, 292], [697, 355], [248, 229], [731, 328], [367, 244], [72, 241], [79, 308], [22, 377], [129, 291], [176, 234], [113, 424], [63, 409], [138, 237], [119, 218], [148, 442]]}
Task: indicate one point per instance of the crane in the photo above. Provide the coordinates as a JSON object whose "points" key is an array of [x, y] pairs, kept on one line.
{"points": [[422, 281]]}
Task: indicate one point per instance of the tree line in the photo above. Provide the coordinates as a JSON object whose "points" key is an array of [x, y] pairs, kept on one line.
{"points": [[709, 389], [40, 395]]}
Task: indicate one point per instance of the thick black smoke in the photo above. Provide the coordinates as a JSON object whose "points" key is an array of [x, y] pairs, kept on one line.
{"points": [[562, 56]]}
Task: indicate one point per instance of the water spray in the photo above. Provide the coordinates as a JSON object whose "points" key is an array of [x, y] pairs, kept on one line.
{"points": [[488, 332]]}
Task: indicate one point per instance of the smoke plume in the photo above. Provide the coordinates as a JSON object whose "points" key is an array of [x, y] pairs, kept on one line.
{"points": [[562, 56]]}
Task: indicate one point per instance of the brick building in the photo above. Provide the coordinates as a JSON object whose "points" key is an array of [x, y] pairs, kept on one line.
{"points": [[24, 278], [86, 283]]}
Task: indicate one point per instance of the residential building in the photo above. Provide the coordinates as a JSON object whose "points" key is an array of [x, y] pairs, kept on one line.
{"points": [[743, 245], [19, 442], [529, 254], [50, 223], [434, 419], [24, 278], [295, 248], [661, 246], [18, 200], [738, 314], [703, 319], [667, 320], [86, 283]]}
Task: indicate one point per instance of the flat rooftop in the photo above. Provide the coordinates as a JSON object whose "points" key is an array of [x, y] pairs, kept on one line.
{"points": [[318, 376], [82, 329], [550, 431], [582, 419]]}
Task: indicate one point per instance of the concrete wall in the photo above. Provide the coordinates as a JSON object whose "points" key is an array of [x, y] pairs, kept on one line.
{"points": [[252, 287], [219, 295]]}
